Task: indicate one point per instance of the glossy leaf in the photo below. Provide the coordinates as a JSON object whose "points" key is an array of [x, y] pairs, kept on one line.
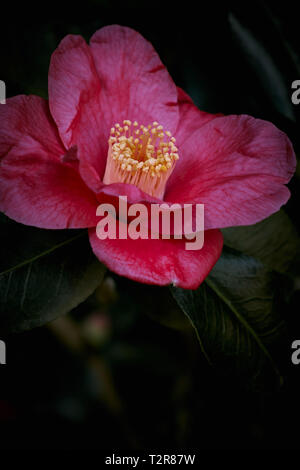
{"points": [[43, 274], [274, 241], [264, 66], [236, 318]]}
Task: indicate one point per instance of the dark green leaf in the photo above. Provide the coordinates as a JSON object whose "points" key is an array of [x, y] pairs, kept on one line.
{"points": [[43, 274], [274, 241], [264, 66], [236, 318]]}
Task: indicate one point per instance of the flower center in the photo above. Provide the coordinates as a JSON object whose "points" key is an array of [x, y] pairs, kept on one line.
{"points": [[140, 155]]}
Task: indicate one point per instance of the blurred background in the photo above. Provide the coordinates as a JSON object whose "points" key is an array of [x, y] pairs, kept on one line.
{"points": [[124, 370]]}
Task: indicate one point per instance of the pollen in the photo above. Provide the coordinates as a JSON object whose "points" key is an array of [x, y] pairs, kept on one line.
{"points": [[144, 156]]}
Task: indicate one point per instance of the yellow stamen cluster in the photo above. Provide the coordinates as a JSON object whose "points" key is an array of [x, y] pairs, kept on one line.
{"points": [[138, 153], [143, 148]]}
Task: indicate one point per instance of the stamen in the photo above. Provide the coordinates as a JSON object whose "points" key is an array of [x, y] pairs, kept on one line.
{"points": [[144, 156]]}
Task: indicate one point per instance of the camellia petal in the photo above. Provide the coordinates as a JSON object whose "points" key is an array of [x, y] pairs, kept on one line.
{"points": [[74, 90], [134, 195], [237, 167], [135, 85], [191, 119], [160, 262], [36, 188]]}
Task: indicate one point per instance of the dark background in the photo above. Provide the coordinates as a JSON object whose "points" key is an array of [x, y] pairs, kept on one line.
{"points": [[132, 382]]}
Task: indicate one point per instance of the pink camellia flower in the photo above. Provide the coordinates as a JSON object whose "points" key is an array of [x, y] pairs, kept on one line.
{"points": [[116, 124]]}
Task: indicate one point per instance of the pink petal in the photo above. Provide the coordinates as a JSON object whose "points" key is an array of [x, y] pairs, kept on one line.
{"points": [[160, 262], [36, 188], [133, 193], [135, 85], [237, 167], [74, 90], [190, 120]]}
